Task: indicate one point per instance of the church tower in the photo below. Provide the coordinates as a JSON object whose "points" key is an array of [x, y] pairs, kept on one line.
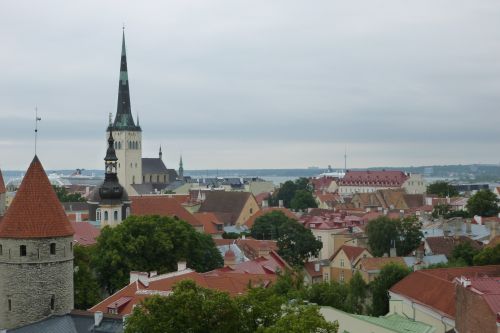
{"points": [[127, 135], [109, 203], [36, 254]]}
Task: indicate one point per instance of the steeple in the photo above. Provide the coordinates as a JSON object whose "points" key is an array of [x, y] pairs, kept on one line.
{"points": [[160, 154], [111, 188], [181, 169], [123, 118]]}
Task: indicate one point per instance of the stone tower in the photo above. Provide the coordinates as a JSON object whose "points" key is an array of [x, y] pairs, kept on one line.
{"points": [[3, 192], [36, 254], [109, 203], [127, 135]]}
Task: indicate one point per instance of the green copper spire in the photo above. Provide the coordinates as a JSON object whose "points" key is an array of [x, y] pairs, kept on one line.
{"points": [[123, 118]]}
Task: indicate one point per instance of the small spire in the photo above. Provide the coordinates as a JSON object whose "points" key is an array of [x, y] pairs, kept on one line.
{"points": [[160, 153], [123, 40], [137, 116]]}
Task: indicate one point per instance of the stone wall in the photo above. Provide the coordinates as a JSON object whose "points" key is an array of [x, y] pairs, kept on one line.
{"points": [[28, 283]]}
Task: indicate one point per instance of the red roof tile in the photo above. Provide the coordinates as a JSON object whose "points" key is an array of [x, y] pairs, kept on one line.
{"points": [[35, 211], [163, 206], [435, 288], [85, 233], [2, 184], [374, 178], [210, 223]]}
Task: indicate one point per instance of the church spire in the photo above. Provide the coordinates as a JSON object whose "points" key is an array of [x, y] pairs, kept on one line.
{"points": [[110, 159], [123, 118], [181, 169]]}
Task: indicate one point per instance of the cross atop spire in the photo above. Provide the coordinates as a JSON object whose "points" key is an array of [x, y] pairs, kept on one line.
{"points": [[123, 118]]}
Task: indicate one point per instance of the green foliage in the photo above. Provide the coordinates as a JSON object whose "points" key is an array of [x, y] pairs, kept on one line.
{"points": [[189, 308], [382, 232], [389, 275], [86, 286], [195, 309], [302, 319], [445, 211], [230, 235], [332, 294], [288, 190], [302, 200], [295, 243], [488, 256], [289, 284], [442, 189], [464, 252], [150, 243], [357, 294], [483, 203], [64, 196], [450, 264]]}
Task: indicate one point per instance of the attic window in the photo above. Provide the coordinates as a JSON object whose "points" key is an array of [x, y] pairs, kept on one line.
{"points": [[22, 250], [52, 248]]}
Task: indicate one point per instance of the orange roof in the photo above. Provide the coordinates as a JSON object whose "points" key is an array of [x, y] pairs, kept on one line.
{"points": [[251, 220], [210, 222], [376, 264], [435, 288], [134, 293], [352, 252], [161, 205], [35, 211], [85, 233], [2, 184]]}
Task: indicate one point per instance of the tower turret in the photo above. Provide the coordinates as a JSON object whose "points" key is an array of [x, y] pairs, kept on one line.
{"points": [[36, 254]]}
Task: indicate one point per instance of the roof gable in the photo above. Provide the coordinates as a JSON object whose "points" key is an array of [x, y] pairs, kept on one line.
{"points": [[35, 211]]}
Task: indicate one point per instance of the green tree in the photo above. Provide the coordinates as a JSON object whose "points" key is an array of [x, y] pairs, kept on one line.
{"points": [[288, 189], [488, 256], [85, 283], [267, 225], [150, 243], [381, 232], [302, 200], [464, 251], [357, 293], [189, 308], [302, 319], [261, 307], [64, 196], [409, 235], [332, 294], [389, 275], [483, 203], [442, 189]]}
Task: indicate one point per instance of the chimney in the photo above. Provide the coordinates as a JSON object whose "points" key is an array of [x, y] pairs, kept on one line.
{"points": [[419, 255], [142, 277], [181, 265], [468, 226], [265, 203], [401, 213], [385, 211], [280, 204], [98, 316], [243, 237], [229, 258], [392, 252]]}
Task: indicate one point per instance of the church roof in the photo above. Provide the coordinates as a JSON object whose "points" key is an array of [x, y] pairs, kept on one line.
{"points": [[153, 166], [2, 184], [123, 118], [35, 211]]}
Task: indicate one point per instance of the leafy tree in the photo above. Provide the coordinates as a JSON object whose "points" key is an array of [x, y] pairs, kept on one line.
{"points": [[85, 283], [409, 235], [302, 200], [483, 203], [389, 275], [295, 243], [357, 293], [150, 243], [261, 308], [381, 232], [332, 294], [64, 196], [289, 284], [442, 189], [288, 189], [302, 319], [189, 308], [465, 252], [488, 256]]}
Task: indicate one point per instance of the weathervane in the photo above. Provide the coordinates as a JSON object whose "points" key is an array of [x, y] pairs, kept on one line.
{"points": [[37, 119]]}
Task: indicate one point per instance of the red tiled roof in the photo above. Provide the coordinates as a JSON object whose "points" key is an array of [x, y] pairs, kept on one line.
{"points": [[375, 264], [489, 289], [161, 205], [435, 288], [261, 197], [35, 211], [374, 178], [85, 233], [321, 183], [251, 220], [227, 205], [210, 223], [446, 244], [231, 282], [352, 252], [310, 269], [263, 265], [2, 184]]}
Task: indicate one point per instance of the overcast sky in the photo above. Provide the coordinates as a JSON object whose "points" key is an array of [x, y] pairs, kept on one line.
{"points": [[254, 84]]}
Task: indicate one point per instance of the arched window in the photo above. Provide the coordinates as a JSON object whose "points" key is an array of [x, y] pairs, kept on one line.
{"points": [[98, 214], [133, 179], [119, 145], [115, 215], [105, 216]]}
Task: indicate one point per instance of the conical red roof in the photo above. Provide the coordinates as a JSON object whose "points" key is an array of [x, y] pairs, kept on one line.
{"points": [[2, 184], [35, 211]]}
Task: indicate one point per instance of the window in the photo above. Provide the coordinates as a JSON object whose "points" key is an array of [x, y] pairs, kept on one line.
{"points": [[133, 179], [52, 302], [318, 238], [341, 278], [10, 304], [52, 248], [115, 215], [157, 178], [326, 277], [71, 246], [1, 250], [98, 214], [105, 216], [22, 250], [143, 179], [251, 210], [341, 262], [127, 212]]}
